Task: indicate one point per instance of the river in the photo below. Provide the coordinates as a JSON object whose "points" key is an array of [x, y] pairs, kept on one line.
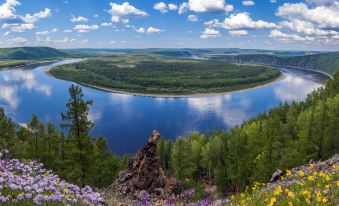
{"points": [[127, 121]]}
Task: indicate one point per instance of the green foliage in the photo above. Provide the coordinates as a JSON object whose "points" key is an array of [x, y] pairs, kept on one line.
{"points": [[153, 75], [77, 157], [285, 137]]}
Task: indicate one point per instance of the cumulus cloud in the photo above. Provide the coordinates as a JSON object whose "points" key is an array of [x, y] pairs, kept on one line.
{"points": [[201, 6], [149, 30], [85, 28], [18, 41], [160, 6], [276, 34], [79, 19], [248, 3], [172, 7], [7, 10], [238, 33], [210, 33], [193, 18], [240, 21], [19, 23], [105, 24], [124, 10], [313, 20], [18, 27]]}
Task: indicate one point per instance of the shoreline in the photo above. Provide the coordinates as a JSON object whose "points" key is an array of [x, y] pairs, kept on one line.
{"points": [[198, 95]]}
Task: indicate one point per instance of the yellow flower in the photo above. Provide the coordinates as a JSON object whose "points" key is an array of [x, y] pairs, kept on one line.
{"points": [[288, 173], [319, 198], [336, 166], [290, 204], [327, 186], [310, 178], [312, 166], [337, 183], [273, 200], [277, 190], [324, 200], [301, 173], [290, 194]]}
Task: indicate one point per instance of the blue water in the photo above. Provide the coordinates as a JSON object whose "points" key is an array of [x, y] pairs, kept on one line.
{"points": [[127, 121]]}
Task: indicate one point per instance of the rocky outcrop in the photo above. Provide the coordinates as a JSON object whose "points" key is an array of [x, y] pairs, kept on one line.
{"points": [[142, 177]]}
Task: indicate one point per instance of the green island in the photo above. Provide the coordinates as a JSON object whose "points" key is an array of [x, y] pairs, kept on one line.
{"points": [[154, 75]]}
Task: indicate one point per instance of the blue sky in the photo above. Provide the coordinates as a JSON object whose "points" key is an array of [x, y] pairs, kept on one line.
{"points": [[262, 24]]}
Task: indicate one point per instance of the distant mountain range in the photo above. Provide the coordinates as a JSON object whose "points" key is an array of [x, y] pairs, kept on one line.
{"points": [[27, 53]]}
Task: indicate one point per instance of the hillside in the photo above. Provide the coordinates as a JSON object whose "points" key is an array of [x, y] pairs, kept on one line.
{"points": [[326, 62], [26, 53]]}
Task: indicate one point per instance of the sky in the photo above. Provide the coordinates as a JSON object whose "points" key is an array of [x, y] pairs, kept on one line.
{"points": [[252, 24]]}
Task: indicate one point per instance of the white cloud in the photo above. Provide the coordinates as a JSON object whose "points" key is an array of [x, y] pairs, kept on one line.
{"points": [[105, 24], [238, 33], [273, 1], [149, 30], [124, 10], [240, 21], [248, 3], [18, 40], [193, 18], [160, 6], [208, 6], [18, 27], [28, 18], [172, 7], [85, 28], [7, 10], [68, 31], [210, 33], [276, 34], [314, 20], [79, 19], [324, 17], [46, 32]]}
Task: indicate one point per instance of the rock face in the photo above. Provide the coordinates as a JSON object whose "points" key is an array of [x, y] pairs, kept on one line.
{"points": [[143, 171]]}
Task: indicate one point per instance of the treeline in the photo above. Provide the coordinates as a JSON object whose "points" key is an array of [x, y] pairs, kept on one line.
{"points": [[285, 137], [176, 76], [75, 156], [326, 62]]}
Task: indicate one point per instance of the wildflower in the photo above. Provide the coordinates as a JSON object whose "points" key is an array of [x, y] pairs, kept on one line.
{"points": [[290, 204], [277, 190], [310, 178], [288, 173], [337, 183], [301, 173], [290, 194], [327, 186], [272, 201], [312, 166], [324, 200]]}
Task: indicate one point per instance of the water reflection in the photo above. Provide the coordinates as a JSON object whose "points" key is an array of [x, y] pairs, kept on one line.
{"points": [[294, 88], [127, 120]]}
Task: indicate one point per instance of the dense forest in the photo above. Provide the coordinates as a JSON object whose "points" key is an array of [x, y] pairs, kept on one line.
{"points": [[282, 138], [285, 137], [173, 76], [27, 53]]}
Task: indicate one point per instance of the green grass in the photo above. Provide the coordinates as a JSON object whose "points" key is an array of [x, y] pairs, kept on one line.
{"points": [[156, 74]]}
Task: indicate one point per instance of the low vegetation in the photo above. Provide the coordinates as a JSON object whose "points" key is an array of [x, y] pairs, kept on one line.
{"points": [[170, 76], [13, 63], [27, 53]]}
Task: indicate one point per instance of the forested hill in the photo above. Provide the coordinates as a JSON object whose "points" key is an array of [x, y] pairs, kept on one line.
{"points": [[326, 62], [26, 53]]}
